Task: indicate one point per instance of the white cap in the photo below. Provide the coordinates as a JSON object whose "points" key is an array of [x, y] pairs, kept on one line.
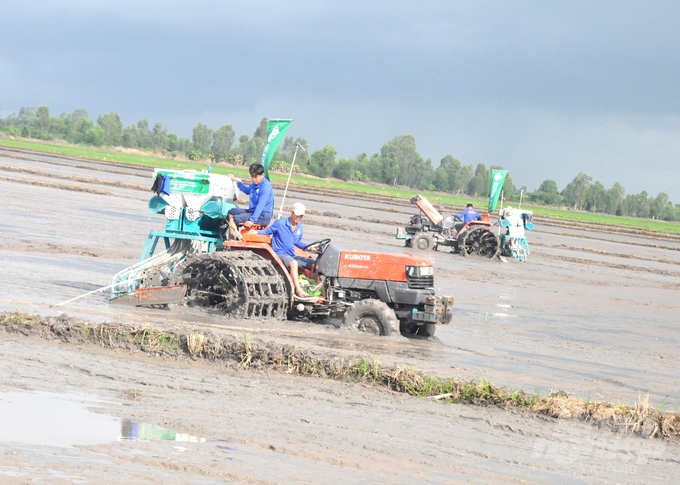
{"points": [[298, 209]]}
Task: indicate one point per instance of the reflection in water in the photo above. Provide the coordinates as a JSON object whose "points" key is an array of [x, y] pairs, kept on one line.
{"points": [[62, 419], [53, 419], [134, 431]]}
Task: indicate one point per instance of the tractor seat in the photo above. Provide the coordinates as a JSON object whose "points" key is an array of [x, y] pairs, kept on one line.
{"points": [[256, 227]]}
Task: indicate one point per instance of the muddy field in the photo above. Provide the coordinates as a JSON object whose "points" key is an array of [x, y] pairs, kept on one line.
{"points": [[591, 313]]}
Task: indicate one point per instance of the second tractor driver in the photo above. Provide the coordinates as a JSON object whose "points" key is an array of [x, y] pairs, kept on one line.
{"points": [[286, 236]]}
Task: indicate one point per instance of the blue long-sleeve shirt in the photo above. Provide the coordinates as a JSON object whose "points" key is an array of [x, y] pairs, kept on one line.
{"points": [[469, 215], [284, 238], [260, 198]]}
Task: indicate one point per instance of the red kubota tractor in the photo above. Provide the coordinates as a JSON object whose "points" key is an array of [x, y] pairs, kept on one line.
{"points": [[378, 293], [430, 229]]}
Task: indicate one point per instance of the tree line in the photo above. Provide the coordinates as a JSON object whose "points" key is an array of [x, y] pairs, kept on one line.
{"points": [[397, 163]]}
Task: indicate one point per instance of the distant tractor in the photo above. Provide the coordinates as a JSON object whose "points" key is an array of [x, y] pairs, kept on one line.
{"points": [[378, 293], [430, 229]]}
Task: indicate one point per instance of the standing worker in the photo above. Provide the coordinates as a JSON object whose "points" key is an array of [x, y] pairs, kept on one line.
{"points": [[260, 196]]}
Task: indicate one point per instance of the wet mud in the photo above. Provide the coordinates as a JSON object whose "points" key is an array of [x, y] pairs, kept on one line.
{"points": [[596, 324]]}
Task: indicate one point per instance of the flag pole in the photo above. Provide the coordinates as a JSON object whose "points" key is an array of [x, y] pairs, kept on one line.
{"points": [[499, 214], [290, 172]]}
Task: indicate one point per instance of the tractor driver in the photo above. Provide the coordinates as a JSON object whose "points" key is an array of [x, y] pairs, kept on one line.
{"points": [[286, 235], [469, 214], [261, 199]]}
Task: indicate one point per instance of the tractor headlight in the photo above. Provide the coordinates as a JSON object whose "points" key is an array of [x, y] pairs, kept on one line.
{"points": [[417, 271]]}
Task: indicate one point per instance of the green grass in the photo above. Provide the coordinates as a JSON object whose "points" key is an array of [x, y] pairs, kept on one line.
{"points": [[437, 198]]}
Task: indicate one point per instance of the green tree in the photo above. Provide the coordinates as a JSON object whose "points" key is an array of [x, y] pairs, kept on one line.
{"points": [[223, 139], [480, 181], [400, 161], [144, 134], [596, 197], [658, 204], [322, 162], [130, 137], [112, 127], [43, 118], [302, 158], [94, 135], [287, 151], [261, 130], [202, 138], [344, 169], [375, 168], [457, 175], [362, 167], [575, 192], [26, 115], [547, 193], [441, 180], [82, 128], [159, 137], [615, 199]]}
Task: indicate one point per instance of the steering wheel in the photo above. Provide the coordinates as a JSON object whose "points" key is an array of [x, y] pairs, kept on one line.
{"points": [[457, 218], [319, 246]]}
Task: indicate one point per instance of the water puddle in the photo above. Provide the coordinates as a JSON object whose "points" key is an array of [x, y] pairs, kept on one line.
{"points": [[65, 420]]}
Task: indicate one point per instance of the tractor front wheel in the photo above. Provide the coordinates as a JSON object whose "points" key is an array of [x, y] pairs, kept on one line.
{"points": [[423, 241], [372, 316]]}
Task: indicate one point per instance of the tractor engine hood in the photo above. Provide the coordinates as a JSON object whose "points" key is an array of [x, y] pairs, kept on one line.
{"points": [[368, 265]]}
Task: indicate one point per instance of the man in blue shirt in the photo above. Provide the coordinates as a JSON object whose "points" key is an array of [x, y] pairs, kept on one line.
{"points": [[261, 199], [286, 235], [468, 215]]}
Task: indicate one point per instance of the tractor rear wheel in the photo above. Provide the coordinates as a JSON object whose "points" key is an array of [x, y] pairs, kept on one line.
{"points": [[481, 241], [423, 241], [240, 284], [372, 316]]}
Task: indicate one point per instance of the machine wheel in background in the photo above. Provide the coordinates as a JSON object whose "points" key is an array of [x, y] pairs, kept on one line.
{"points": [[408, 243], [480, 241], [409, 328], [240, 284], [423, 241], [426, 330], [372, 316]]}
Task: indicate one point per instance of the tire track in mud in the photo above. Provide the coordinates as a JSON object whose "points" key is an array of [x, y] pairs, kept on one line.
{"points": [[608, 253], [607, 229], [31, 246], [628, 267], [75, 178], [42, 183], [128, 166]]}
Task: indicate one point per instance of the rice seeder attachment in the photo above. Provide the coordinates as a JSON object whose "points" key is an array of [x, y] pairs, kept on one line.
{"points": [[195, 205], [514, 242]]}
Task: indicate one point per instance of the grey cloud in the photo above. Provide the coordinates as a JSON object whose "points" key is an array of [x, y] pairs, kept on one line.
{"points": [[510, 83]]}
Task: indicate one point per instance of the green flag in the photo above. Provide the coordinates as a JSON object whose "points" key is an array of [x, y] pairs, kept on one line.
{"points": [[497, 181], [276, 130]]}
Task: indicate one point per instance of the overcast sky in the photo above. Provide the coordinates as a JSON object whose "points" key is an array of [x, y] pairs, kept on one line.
{"points": [[546, 89]]}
